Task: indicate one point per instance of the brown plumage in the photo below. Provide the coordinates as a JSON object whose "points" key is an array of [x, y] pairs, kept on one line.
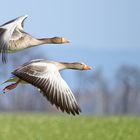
{"points": [[44, 75], [13, 38]]}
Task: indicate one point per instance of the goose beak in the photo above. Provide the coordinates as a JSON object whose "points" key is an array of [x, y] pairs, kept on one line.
{"points": [[64, 40], [86, 67], [67, 41]]}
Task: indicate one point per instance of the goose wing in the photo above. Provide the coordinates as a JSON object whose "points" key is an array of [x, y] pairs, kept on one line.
{"points": [[8, 31], [51, 85]]}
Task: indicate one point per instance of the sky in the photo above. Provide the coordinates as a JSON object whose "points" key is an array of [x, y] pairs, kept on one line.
{"points": [[103, 33], [109, 24]]}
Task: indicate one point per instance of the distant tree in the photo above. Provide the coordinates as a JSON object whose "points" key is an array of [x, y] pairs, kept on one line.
{"points": [[128, 79], [94, 92]]}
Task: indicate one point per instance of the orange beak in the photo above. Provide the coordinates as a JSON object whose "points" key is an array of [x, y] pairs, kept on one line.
{"points": [[64, 40], [86, 67], [67, 41]]}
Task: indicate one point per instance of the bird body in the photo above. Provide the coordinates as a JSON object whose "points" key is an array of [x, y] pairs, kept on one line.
{"points": [[44, 75], [13, 38]]}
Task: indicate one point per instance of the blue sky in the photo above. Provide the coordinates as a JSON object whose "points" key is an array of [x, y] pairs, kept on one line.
{"points": [[103, 33], [109, 24]]}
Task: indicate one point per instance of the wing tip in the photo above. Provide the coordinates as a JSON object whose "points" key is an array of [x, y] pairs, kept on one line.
{"points": [[4, 59], [26, 15], [73, 111]]}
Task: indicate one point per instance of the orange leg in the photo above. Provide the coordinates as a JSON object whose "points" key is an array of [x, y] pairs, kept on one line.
{"points": [[11, 86]]}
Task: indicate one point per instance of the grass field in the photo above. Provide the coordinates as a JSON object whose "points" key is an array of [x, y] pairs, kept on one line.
{"points": [[54, 127]]}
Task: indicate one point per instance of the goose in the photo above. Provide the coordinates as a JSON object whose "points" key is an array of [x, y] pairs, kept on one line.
{"points": [[13, 38], [44, 74]]}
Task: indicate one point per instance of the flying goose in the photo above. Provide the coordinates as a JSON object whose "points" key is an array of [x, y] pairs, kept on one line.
{"points": [[13, 38], [44, 74]]}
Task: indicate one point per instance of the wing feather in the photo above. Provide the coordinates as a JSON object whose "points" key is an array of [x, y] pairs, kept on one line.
{"points": [[8, 30], [3, 45], [53, 87]]}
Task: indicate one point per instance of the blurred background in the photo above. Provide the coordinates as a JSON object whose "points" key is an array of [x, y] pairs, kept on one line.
{"points": [[103, 34]]}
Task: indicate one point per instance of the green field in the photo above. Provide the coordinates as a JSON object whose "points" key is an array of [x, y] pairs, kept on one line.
{"points": [[54, 127]]}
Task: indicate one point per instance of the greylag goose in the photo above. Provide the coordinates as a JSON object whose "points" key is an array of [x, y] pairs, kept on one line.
{"points": [[44, 75], [13, 38]]}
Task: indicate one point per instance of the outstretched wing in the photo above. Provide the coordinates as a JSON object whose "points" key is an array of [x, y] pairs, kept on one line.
{"points": [[6, 33], [52, 86], [4, 40]]}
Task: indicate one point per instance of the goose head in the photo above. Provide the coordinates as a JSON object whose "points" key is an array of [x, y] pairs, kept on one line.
{"points": [[59, 40], [74, 65], [81, 66]]}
